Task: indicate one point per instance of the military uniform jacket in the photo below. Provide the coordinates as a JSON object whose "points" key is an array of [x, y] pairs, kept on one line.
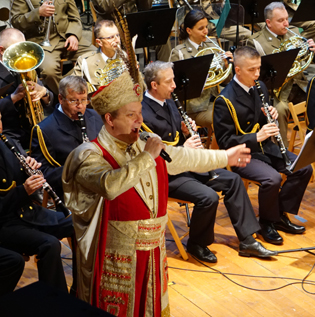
{"points": [[66, 22], [61, 136], [156, 118], [86, 66], [14, 201], [248, 111]]}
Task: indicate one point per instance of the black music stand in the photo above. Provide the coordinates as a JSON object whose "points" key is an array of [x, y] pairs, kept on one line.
{"points": [[254, 10], [275, 68], [190, 77], [305, 11], [153, 27]]}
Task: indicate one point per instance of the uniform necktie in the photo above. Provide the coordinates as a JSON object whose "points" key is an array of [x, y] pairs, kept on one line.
{"points": [[251, 92]]}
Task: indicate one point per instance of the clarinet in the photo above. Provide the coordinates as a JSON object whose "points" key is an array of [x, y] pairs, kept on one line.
{"points": [[85, 137], [192, 132], [278, 137], [30, 172]]}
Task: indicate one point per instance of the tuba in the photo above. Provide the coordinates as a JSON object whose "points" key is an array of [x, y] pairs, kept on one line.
{"points": [[24, 58], [220, 67], [303, 59]]}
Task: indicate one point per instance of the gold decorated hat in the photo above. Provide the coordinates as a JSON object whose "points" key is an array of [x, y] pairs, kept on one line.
{"points": [[122, 82]]}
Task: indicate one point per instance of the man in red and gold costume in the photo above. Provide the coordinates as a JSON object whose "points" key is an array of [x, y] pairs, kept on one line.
{"points": [[117, 189]]}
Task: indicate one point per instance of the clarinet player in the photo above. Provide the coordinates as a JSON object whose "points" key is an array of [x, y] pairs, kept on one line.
{"points": [[238, 118], [61, 132]]}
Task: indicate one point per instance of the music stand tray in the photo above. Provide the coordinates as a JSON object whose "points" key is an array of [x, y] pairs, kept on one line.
{"points": [[305, 11], [190, 76], [275, 68], [153, 27]]}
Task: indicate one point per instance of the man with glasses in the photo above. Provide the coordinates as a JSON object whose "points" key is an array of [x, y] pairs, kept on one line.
{"points": [[61, 132], [91, 65]]}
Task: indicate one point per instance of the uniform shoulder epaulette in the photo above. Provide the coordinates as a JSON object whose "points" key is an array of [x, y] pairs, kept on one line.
{"points": [[181, 46]]}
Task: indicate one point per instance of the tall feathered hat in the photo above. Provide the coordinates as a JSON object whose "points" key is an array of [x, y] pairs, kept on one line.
{"points": [[125, 85]]}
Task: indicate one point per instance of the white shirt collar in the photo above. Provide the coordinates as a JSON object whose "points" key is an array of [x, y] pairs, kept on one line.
{"points": [[195, 45], [242, 85], [105, 57], [147, 94], [272, 33]]}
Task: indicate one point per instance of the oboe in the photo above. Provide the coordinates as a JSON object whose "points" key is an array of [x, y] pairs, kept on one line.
{"points": [[30, 172], [85, 137], [271, 120], [189, 127]]}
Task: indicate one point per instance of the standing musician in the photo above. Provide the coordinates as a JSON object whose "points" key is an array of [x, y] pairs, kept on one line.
{"points": [[28, 228], [238, 118], [64, 35], [56, 136], [161, 117], [266, 41], [13, 106], [194, 33], [91, 64]]}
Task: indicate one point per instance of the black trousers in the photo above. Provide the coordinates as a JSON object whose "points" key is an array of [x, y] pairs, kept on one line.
{"points": [[43, 241], [11, 269], [273, 201], [202, 192]]}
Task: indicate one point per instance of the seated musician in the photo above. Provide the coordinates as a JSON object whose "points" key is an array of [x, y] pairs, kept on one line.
{"points": [[14, 108], [62, 131], [64, 36], [268, 39], [90, 65], [28, 228], [238, 118], [194, 33], [161, 117]]}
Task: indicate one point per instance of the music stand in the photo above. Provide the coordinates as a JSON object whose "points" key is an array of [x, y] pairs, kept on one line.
{"points": [[305, 11], [254, 10], [153, 27], [190, 77], [275, 68]]}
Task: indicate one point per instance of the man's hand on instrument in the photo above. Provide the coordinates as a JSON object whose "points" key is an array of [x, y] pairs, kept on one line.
{"points": [[47, 9], [33, 163], [229, 55], [194, 142], [37, 91], [154, 146], [238, 155], [33, 183], [184, 127], [311, 45], [72, 43], [18, 94], [268, 130], [273, 112]]}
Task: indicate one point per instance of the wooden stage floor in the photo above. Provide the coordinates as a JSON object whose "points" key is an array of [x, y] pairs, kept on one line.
{"points": [[235, 286]]}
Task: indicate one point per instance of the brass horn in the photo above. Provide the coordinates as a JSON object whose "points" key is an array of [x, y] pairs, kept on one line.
{"points": [[220, 68], [303, 59], [24, 58]]}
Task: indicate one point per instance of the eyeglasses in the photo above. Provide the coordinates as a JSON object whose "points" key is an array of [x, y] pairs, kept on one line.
{"points": [[109, 37], [83, 102]]}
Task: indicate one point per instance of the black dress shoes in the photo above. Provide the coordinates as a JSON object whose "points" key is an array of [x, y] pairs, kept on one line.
{"points": [[255, 249], [286, 225], [201, 253], [269, 233]]}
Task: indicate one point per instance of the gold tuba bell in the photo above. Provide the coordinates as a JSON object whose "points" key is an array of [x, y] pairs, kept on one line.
{"points": [[302, 60], [24, 58], [220, 68]]}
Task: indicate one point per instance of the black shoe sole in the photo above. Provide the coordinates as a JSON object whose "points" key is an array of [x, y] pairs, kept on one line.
{"points": [[241, 253]]}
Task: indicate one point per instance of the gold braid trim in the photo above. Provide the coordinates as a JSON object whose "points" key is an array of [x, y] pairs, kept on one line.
{"points": [[9, 188], [43, 147], [176, 140], [234, 117], [307, 99]]}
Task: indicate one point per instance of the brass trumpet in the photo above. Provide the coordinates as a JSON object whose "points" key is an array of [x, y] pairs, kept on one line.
{"points": [[24, 58], [45, 41]]}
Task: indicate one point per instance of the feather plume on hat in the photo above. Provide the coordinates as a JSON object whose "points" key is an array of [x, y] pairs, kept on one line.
{"points": [[128, 86]]}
